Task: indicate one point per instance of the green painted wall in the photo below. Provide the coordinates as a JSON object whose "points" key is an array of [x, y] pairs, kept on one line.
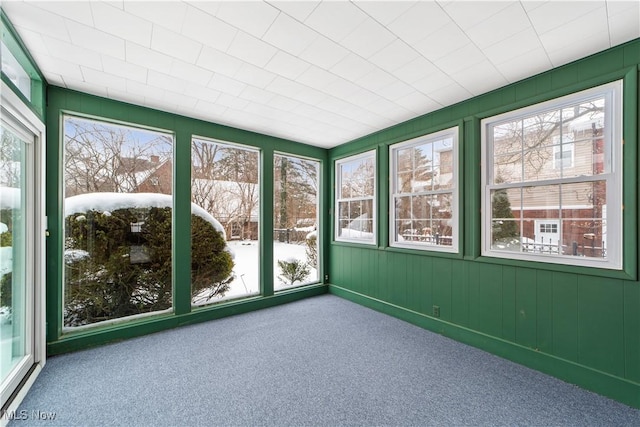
{"points": [[63, 100], [579, 324]]}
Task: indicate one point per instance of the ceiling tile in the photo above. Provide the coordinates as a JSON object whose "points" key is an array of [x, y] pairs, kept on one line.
{"points": [[254, 76], [352, 67], [142, 90], [299, 10], [460, 59], [432, 82], [422, 19], [169, 14], [415, 70], [451, 94], [624, 27], [179, 100], [73, 10], [551, 15], [33, 40], [279, 35], [481, 78], [564, 54], [74, 54], [394, 56], [376, 80], [210, 109], [251, 49], [572, 35], [500, 26], [467, 14], [284, 103], [418, 103], [255, 94], [59, 66], [115, 21], [226, 85], [193, 73], [34, 18], [436, 45], [317, 78], [232, 101], [335, 20], [515, 45], [368, 38], [99, 41], [175, 45], [324, 53], [286, 65], [342, 88], [208, 29], [145, 57], [201, 92], [249, 16], [90, 88], [214, 60], [124, 69], [384, 11], [396, 90], [519, 67], [165, 81]]}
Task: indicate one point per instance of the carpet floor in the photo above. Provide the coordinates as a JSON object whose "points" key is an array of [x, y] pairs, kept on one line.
{"points": [[321, 361]]}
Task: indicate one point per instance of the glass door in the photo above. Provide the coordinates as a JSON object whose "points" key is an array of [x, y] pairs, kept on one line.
{"points": [[17, 253]]}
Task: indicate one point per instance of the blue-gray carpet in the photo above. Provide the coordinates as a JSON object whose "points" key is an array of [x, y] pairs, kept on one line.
{"points": [[321, 361]]}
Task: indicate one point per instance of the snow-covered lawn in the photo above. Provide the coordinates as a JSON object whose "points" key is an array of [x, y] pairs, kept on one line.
{"points": [[247, 272]]}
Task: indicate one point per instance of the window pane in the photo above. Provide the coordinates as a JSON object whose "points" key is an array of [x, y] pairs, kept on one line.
{"points": [[507, 138], [117, 247], [357, 178], [507, 168], [295, 237], [505, 219], [539, 130], [355, 212], [225, 193]]}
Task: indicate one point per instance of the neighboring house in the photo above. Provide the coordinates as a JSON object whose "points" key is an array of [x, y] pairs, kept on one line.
{"points": [[571, 220]]}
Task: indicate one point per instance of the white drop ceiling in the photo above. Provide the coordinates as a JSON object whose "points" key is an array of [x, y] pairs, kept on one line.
{"points": [[322, 73]]}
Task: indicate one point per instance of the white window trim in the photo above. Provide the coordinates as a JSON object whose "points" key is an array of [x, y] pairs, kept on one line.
{"points": [[337, 199], [454, 191], [613, 158]]}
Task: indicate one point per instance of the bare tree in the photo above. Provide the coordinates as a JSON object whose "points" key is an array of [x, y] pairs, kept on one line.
{"points": [[106, 157]]}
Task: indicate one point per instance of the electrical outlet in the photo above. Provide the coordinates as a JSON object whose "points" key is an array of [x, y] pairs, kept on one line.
{"points": [[436, 311], [326, 277]]}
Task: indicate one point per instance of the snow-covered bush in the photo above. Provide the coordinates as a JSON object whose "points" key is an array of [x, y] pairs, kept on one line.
{"points": [[126, 264], [311, 249], [293, 270]]}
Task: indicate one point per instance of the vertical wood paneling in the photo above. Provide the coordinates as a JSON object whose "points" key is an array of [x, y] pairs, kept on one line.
{"points": [[509, 303], [489, 299], [426, 281], [632, 330], [460, 292], [544, 311], [600, 324], [474, 294], [415, 295], [526, 296], [442, 286], [565, 315]]}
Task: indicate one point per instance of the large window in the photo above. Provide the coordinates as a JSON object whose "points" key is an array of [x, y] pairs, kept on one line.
{"points": [[553, 181], [355, 198], [225, 193], [424, 195], [118, 220], [295, 220]]}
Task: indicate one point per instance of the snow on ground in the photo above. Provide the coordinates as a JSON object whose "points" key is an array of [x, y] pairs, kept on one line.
{"points": [[246, 269]]}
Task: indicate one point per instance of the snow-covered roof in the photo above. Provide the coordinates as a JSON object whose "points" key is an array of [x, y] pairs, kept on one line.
{"points": [[106, 202]]}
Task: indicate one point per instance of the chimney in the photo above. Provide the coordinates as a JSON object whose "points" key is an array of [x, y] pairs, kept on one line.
{"points": [[155, 159]]}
